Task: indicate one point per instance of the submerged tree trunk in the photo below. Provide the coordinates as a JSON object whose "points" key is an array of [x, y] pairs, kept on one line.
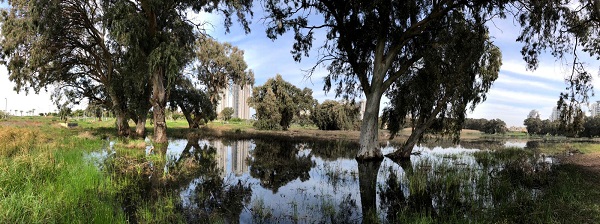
{"points": [[369, 130], [406, 150], [367, 178], [159, 103]]}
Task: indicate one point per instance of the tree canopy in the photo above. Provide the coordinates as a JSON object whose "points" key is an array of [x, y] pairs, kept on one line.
{"points": [[277, 102], [333, 115], [126, 55], [454, 75], [370, 45]]}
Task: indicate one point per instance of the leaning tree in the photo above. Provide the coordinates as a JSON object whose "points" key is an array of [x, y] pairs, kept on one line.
{"points": [[370, 44], [455, 73]]}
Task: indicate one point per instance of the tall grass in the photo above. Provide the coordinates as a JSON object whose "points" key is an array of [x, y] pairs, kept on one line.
{"points": [[43, 179]]}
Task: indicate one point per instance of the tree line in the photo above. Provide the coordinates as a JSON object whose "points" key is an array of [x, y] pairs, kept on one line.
{"points": [[584, 127], [433, 59], [493, 126]]}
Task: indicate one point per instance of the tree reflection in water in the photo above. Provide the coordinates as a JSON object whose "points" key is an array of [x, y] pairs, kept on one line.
{"points": [[316, 182], [278, 163], [212, 198]]}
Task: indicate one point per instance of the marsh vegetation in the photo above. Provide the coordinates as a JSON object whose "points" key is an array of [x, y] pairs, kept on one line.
{"points": [[52, 174]]}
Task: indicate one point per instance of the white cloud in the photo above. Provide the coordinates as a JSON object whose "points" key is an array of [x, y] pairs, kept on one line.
{"points": [[552, 72], [520, 97], [532, 85]]}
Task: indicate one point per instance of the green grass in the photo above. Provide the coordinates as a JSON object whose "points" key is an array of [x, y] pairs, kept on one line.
{"points": [[44, 179], [565, 147]]}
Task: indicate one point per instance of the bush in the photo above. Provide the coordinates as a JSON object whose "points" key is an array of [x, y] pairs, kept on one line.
{"points": [[333, 115], [236, 119], [226, 113], [267, 125]]}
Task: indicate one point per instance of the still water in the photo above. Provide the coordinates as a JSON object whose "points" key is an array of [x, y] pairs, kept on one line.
{"points": [[269, 181], [314, 182]]}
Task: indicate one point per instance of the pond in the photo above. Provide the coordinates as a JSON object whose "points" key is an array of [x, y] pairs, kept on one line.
{"points": [[271, 181]]}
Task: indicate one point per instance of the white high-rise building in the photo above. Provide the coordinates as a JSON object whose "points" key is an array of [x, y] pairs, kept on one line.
{"points": [[555, 114], [363, 107], [595, 109], [236, 97]]}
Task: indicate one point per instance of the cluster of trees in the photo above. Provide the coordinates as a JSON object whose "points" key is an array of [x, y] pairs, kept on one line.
{"points": [[387, 47], [127, 56], [537, 126], [433, 59], [494, 126], [279, 103], [334, 115], [585, 127]]}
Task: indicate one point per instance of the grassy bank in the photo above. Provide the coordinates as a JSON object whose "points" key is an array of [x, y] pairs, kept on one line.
{"points": [[48, 176], [44, 178]]}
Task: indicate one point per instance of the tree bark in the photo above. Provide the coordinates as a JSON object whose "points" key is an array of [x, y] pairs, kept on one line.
{"points": [[369, 130], [406, 150], [122, 121], [140, 126], [159, 103]]}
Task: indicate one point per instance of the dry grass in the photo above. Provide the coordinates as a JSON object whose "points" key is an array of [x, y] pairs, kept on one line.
{"points": [[18, 141], [132, 144]]}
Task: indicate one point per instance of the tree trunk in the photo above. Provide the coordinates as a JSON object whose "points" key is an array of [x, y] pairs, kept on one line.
{"points": [[406, 150], [159, 103], [367, 179], [369, 130], [140, 126], [191, 121], [122, 121]]}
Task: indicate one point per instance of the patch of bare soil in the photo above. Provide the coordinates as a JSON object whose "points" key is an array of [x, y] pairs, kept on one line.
{"points": [[589, 161]]}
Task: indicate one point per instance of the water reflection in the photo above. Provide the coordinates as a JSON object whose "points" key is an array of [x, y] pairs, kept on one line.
{"points": [[320, 182]]}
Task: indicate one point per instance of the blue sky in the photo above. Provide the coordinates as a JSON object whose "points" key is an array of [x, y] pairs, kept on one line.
{"points": [[515, 93]]}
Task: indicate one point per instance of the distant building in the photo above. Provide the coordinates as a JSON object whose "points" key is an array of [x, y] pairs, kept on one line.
{"points": [[363, 107], [595, 109], [555, 114], [534, 114], [236, 97]]}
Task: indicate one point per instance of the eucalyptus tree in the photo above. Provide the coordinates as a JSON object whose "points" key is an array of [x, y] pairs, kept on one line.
{"points": [[277, 102], [218, 65], [455, 73], [194, 103], [369, 45], [161, 32], [565, 28], [64, 45]]}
